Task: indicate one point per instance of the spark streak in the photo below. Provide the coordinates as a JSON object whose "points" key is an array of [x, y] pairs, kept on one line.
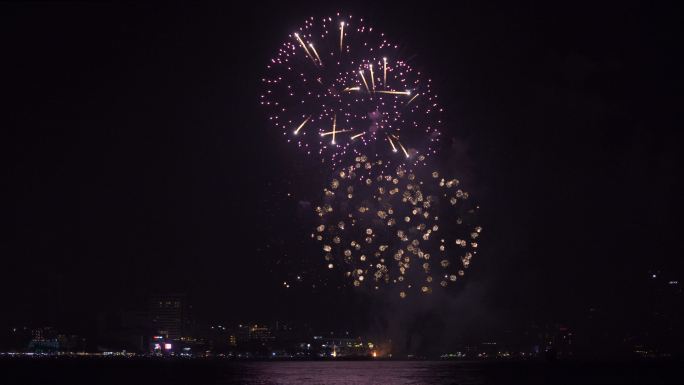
{"points": [[394, 148], [384, 76], [410, 100], [331, 132], [304, 46], [372, 77], [316, 53], [394, 92], [348, 89], [302, 125], [334, 128], [364, 81], [403, 149], [341, 35], [357, 135]]}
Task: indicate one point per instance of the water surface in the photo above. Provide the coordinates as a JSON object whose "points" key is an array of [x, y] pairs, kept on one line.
{"points": [[92, 371]]}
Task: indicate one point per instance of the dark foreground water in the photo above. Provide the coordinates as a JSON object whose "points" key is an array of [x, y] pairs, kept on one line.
{"points": [[200, 372]]}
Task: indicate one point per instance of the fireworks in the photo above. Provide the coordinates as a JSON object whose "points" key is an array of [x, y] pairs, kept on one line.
{"points": [[343, 93], [337, 88], [405, 228]]}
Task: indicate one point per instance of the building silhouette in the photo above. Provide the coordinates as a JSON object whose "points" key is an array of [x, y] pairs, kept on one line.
{"points": [[169, 316]]}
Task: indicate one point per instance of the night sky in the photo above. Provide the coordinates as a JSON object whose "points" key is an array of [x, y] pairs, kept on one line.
{"points": [[138, 159]]}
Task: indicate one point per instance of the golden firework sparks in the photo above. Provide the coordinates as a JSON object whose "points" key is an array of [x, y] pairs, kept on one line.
{"points": [[417, 260]]}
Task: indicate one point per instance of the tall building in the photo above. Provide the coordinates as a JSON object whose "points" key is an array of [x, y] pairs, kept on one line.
{"points": [[169, 315]]}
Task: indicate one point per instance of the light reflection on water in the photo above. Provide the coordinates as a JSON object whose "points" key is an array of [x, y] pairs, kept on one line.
{"points": [[104, 371], [359, 373]]}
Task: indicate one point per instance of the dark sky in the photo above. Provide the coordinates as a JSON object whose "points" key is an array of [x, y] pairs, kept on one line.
{"points": [[138, 159]]}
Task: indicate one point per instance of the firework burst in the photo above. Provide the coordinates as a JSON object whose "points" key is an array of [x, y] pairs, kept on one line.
{"points": [[407, 228], [337, 88]]}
